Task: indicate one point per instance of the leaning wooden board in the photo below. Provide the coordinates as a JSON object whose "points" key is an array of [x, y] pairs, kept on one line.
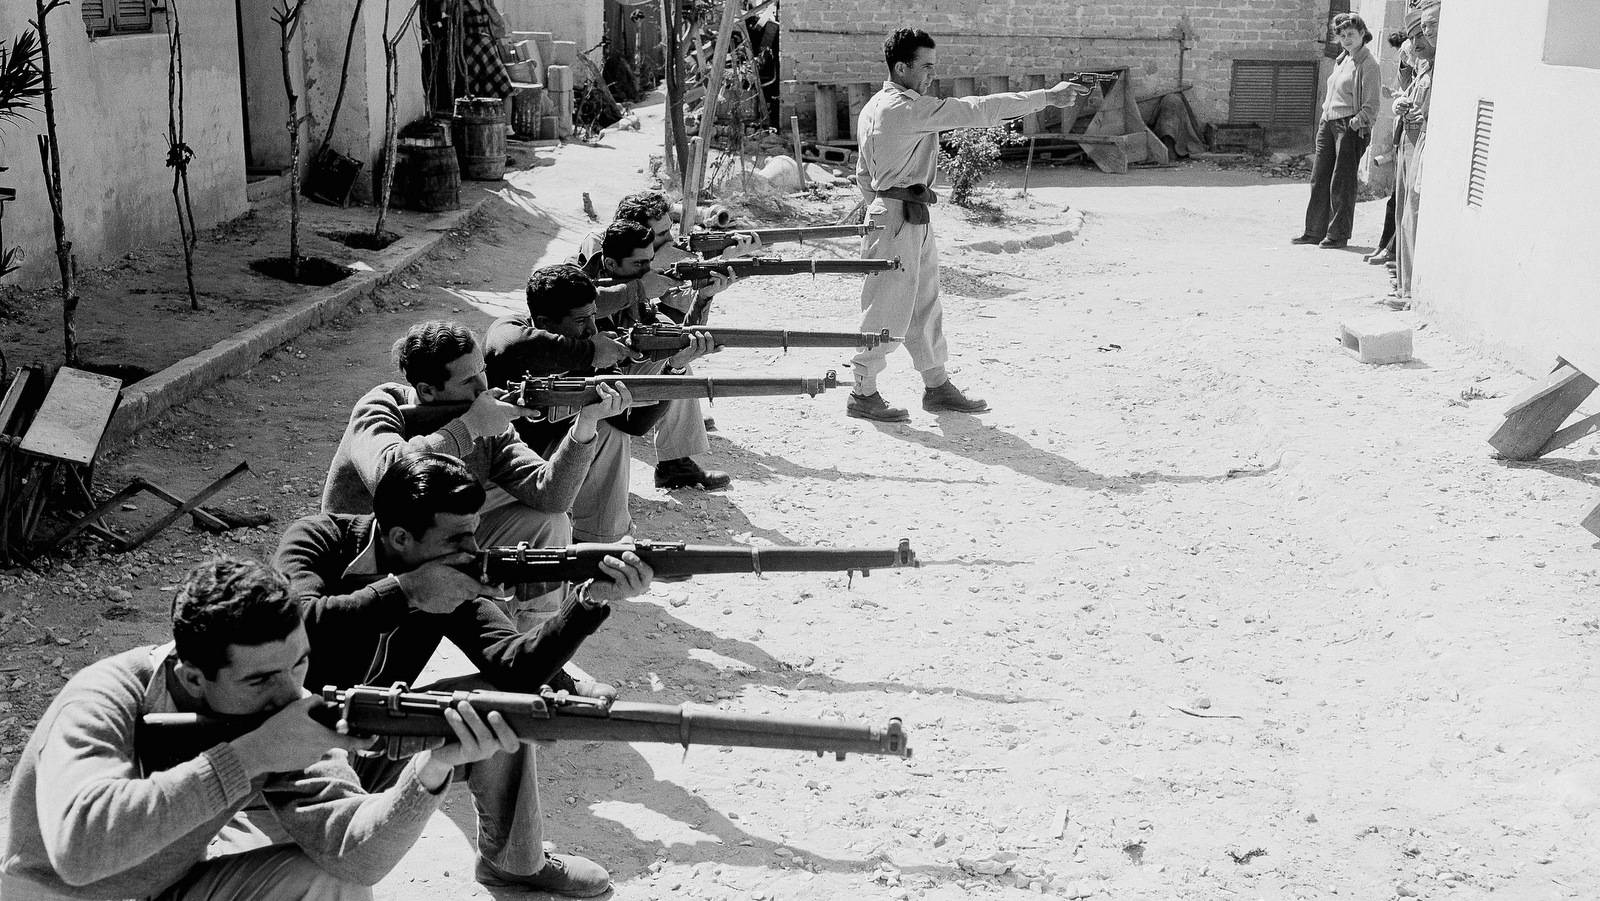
{"points": [[73, 417]]}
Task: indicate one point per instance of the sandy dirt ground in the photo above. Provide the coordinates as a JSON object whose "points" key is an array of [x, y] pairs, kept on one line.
{"points": [[1208, 608]]}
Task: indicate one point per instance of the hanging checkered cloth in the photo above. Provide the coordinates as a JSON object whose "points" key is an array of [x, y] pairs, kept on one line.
{"points": [[486, 72]]}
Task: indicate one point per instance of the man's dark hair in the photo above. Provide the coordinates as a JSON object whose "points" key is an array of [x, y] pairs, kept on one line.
{"points": [[227, 601], [555, 291], [903, 44], [621, 239], [643, 207], [1396, 39], [424, 353], [418, 486]]}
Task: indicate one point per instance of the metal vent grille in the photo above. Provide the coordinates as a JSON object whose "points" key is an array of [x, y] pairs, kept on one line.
{"points": [[1478, 175], [1273, 93]]}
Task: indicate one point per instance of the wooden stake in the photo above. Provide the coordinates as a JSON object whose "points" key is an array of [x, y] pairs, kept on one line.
{"points": [[708, 113], [1028, 170], [794, 129]]}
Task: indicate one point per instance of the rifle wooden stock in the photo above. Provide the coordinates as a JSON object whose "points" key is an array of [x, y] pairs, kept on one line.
{"points": [[745, 267], [167, 739], [716, 241], [576, 563], [658, 342], [560, 398]]}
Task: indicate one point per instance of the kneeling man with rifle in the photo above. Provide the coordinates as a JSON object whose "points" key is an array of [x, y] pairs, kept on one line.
{"points": [[380, 593], [90, 819]]}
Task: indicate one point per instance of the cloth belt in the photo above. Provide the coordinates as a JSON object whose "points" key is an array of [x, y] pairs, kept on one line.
{"points": [[917, 199]]}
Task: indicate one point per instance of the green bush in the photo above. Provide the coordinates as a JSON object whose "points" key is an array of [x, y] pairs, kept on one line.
{"points": [[968, 155]]}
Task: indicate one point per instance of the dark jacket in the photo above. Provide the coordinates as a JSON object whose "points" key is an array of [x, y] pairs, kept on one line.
{"points": [[515, 347], [363, 631]]}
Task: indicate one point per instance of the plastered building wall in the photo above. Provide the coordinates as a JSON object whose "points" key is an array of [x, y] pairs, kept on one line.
{"points": [[581, 21], [111, 109], [1519, 275], [842, 40]]}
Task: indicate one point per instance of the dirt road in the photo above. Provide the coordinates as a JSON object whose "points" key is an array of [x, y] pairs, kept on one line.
{"points": [[1257, 620]]}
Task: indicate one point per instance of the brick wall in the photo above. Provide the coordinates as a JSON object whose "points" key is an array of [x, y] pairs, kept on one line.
{"points": [[835, 41]]}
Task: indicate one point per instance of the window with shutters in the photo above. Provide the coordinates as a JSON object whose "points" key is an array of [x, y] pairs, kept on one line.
{"points": [[1478, 174], [1273, 93], [116, 16]]}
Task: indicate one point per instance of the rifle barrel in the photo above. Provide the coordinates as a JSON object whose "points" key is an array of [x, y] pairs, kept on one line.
{"points": [[658, 338], [520, 564]]}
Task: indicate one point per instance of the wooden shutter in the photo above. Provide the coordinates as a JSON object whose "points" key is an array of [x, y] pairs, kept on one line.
{"points": [[132, 15], [94, 16], [1478, 174], [1273, 93]]}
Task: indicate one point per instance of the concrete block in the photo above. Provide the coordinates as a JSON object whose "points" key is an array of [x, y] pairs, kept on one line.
{"points": [[563, 53], [1376, 339], [560, 79]]}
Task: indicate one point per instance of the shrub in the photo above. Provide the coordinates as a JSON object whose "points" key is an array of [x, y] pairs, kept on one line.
{"points": [[968, 155]]}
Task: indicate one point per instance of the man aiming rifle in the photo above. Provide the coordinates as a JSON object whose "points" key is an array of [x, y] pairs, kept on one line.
{"points": [[381, 591]]}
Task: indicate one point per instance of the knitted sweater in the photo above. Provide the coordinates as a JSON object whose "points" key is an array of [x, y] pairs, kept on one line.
{"points": [[375, 438], [88, 822]]}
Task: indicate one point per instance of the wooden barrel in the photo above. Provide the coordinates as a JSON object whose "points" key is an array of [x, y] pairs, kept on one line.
{"points": [[480, 130], [426, 176]]}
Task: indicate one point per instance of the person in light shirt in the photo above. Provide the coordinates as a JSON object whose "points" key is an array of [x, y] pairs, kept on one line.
{"points": [[1349, 109], [895, 169]]}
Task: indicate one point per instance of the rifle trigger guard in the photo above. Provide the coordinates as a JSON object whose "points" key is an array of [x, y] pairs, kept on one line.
{"points": [[711, 391], [755, 560], [683, 726]]}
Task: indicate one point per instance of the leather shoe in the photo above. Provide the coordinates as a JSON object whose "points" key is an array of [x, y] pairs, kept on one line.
{"points": [[1331, 243], [874, 407], [948, 398], [1304, 239], [563, 874], [685, 473]]}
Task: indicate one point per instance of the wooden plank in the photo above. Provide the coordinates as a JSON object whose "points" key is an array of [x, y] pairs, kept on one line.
{"points": [[1031, 123], [1558, 380], [827, 114], [857, 96], [1578, 430], [1592, 521], [1533, 424], [1107, 156], [73, 416], [9, 407]]}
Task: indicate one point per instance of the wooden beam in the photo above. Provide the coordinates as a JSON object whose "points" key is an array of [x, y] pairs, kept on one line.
{"points": [[708, 113]]}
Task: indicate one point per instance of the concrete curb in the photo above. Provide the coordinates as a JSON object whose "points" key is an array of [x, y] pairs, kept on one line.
{"points": [[1032, 242], [153, 397]]}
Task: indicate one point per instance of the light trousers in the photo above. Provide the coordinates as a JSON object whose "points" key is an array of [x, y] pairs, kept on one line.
{"points": [[905, 301]]}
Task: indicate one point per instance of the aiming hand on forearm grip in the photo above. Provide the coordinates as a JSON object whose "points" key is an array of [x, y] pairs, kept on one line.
{"points": [[165, 740], [667, 559], [561, 398], [659, 342], [712, 241]]}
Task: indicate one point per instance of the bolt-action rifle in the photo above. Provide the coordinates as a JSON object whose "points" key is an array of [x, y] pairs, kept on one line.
{"points": [[715, 241], [745, 267], [164, 740], [520, 563], [658, 342], [561, 398]]}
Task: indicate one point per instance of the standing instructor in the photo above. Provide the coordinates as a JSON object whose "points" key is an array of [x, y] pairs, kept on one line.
{"points": [[896, 166]]}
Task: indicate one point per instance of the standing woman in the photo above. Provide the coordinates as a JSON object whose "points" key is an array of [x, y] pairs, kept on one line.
{"points": [[1349, 110]]}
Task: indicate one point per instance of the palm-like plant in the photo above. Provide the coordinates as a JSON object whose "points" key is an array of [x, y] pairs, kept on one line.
{"points": [[21, 81]]}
